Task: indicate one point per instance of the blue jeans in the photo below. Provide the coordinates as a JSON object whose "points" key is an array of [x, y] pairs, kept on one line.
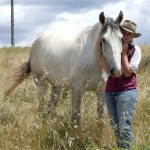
{"points": [[121, 106]]}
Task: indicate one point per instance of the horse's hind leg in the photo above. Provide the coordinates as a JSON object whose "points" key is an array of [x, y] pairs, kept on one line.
{"points": [[42, 85], [55, 97]]}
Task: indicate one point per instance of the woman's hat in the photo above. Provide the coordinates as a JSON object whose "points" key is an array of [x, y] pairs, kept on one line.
{"points": [[130, 27]]}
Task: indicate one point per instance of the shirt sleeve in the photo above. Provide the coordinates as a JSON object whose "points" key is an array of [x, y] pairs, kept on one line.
{"points": [[136, 59]]}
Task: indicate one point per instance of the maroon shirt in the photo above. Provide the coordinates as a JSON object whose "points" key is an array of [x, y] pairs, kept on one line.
{"points": [[122, 83]]}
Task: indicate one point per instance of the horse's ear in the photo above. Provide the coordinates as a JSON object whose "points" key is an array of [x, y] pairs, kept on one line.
{"points": [[119, 18], [102, 18]]}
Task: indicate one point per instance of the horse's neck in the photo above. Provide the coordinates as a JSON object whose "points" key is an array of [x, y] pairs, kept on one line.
{"points": [[96, 30], [88, 39], [95, 33]]}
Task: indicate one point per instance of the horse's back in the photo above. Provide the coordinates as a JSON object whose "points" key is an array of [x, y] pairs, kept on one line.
{"points": [[51, 55], [65, 58]]}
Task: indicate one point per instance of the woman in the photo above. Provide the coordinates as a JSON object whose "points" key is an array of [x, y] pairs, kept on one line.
{"points": [[120, 93]]}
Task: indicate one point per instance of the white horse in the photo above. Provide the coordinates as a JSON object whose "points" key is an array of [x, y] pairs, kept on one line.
{"points": [[73, 62]]}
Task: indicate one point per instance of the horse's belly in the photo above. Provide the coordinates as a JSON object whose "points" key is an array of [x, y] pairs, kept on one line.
{"points": [[57, 70], [59, 81]]}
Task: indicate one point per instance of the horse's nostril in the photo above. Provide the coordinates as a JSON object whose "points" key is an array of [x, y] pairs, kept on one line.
{"points": [[115, 72], [112, 72]]}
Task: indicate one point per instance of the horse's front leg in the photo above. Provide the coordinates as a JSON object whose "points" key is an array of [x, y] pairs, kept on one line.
{"points": [[100, 101], [77, 93], [100, 94]]}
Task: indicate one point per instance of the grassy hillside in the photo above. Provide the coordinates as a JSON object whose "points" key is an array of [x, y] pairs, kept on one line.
{"points": [[22, 129]]}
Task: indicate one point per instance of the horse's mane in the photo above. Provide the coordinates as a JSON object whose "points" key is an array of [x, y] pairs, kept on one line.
{"points": [[109, 22]]}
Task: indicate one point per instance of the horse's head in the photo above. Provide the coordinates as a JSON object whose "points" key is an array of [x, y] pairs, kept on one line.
{"points": [[112, 42]]}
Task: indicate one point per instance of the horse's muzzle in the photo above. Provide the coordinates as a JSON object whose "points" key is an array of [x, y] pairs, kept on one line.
{"points": [[115, 72]]}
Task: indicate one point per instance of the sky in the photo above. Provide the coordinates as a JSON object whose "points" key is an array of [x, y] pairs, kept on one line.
{"points": [[33, 17]]}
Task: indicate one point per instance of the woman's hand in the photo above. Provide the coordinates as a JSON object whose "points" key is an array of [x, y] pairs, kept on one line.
{"points": [[124, 58], [125, 47]]}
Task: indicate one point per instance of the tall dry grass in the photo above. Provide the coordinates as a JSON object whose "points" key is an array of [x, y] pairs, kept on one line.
{"points": [[22, 129]]}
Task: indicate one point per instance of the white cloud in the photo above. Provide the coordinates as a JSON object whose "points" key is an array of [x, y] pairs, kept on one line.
{"points": [[112, 9], [5, 15], [75, 21], [32, 20]]}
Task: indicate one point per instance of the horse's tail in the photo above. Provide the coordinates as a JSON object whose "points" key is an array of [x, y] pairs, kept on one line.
{"points": [[23, 72]]}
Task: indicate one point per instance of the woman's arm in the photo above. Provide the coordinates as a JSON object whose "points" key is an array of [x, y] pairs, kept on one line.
{"points": [[136, 59], [125, 63]]}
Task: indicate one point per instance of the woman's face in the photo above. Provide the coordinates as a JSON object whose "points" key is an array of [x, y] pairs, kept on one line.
{"points": [[128, 36]]}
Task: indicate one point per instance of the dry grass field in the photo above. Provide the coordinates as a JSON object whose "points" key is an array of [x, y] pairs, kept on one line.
{"points": [[22, 129]]}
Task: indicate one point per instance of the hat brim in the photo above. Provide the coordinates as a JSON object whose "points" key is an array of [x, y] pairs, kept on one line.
{"points": [[136, 35]]}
